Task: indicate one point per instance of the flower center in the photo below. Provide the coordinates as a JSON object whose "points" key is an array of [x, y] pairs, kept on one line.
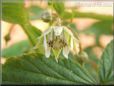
{"points": [[57, 43]]}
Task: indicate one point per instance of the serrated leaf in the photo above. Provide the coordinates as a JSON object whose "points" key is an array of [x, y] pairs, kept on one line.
{"points": [[36, 69], [16, 49], [106, 71], [15, 12]]}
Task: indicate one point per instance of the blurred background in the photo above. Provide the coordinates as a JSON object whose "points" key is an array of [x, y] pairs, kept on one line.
{"points": [[13, 37]]}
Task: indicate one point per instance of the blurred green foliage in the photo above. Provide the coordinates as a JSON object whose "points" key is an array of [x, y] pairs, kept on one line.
{"points": [[15, 12], [106, 72], [32, 67], [16, 49]]}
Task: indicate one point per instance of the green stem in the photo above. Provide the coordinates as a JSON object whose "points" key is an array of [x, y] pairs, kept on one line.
{"points": [[32, 32], [94, 15], [89, 15]]}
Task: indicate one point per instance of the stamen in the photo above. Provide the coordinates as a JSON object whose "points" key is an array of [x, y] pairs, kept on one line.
{"points": [[57, 43]]}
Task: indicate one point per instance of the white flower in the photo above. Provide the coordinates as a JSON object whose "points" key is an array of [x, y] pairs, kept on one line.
{"points": [[57, 39], [66, 51], [47, 49], [58, 30]]}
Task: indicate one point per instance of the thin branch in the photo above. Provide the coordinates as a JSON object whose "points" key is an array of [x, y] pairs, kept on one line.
{"points": [[88, 15]]}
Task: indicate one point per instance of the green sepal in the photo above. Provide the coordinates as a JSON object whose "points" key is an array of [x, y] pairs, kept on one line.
{"points": [[56, 53]]}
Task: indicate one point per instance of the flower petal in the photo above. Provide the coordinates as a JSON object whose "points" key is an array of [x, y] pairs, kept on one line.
{"points": [[47, 49], [47, 52], [58, 30], [66, 51], [45, 42], [76, 47], [68, 31], [51, 35], [71, 33]]}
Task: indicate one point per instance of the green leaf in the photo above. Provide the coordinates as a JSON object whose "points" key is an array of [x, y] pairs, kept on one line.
{"points": [[15, 12], [58, 6], [74, 29], [67, 15], [35, 12], [92, 63], [99, 28], [56, 53], [32, 32], [91, 54], [60, 9], [34, 68], [106, 71], [16, 49]]}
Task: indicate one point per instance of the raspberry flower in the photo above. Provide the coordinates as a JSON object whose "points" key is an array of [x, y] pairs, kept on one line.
{"points": [[59, 39]]}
